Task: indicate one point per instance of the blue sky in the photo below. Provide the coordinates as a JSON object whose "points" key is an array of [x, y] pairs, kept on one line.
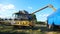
{"points": [[8, 7]]}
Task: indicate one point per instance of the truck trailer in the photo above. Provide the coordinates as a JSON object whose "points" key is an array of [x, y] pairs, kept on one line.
{"points": [[53, 20]]}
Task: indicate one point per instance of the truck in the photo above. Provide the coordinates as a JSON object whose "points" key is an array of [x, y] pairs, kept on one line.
{"points": [[54, 20]]}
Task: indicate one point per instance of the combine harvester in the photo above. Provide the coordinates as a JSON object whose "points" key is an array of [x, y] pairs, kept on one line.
{"points": [[24, 19]]}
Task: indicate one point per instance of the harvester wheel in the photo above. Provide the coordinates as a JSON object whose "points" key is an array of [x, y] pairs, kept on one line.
{"points": [[16, 27], [31, 27]]}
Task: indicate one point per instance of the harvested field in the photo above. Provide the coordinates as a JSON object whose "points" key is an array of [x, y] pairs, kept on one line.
{"points": [[36, 30]]}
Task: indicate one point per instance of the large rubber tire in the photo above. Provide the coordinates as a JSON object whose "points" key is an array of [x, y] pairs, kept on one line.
{"points": [[16, 27], [31, 27], [53, 28], [50, 27]]}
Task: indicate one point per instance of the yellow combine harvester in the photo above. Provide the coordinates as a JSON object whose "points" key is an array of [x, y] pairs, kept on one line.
{"points": [[23, 18]]}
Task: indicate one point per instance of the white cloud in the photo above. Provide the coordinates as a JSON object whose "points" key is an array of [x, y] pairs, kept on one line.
{"points": [[29, 7], [42, 17], [6, 10], [10, 6], [6, 7]]}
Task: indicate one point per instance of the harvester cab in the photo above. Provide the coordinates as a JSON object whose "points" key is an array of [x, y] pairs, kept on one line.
{"points": [[23, 15]]}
